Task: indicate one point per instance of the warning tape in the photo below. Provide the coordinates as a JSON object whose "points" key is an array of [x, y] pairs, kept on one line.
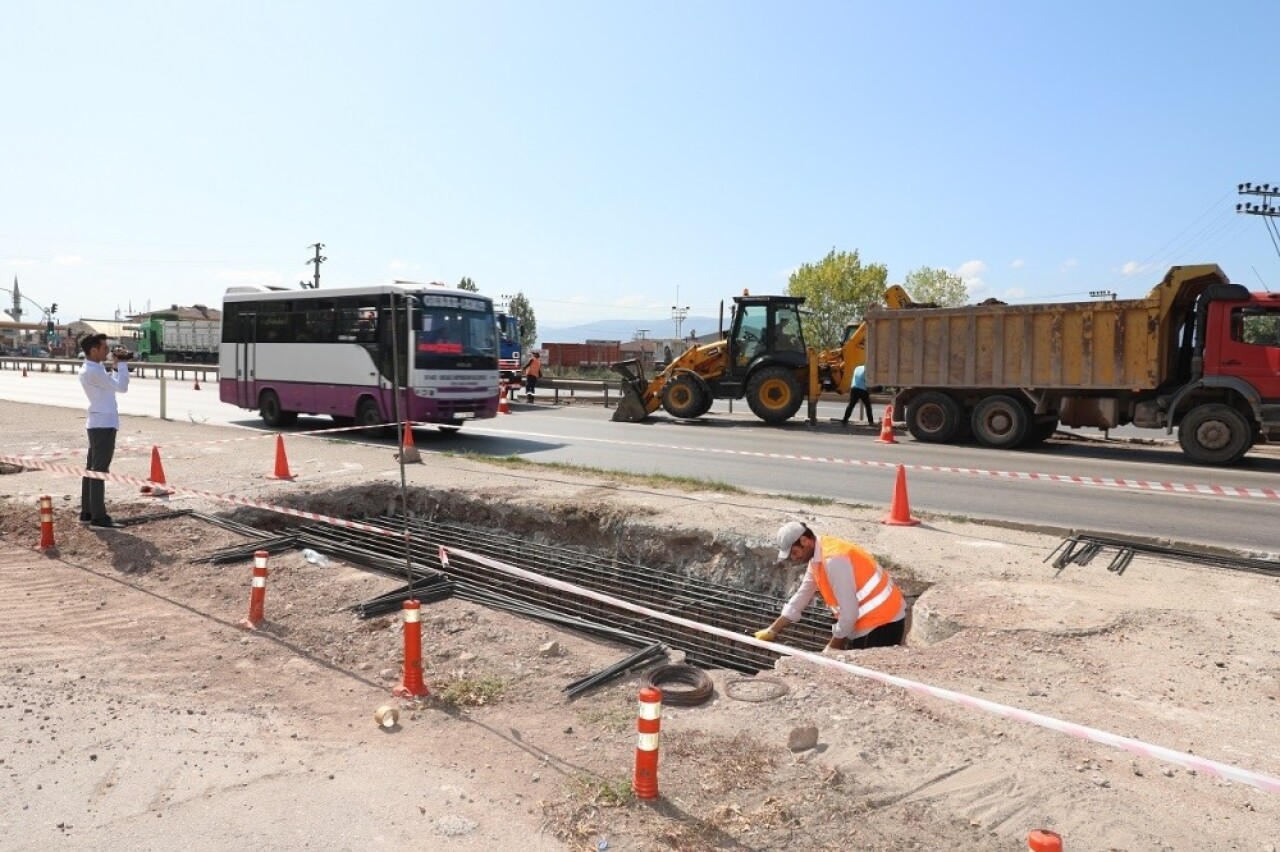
{"points": [[194, 492], [1058, 478], [1262, 781]]}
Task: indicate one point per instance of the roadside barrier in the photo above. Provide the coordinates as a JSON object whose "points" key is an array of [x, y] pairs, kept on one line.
{"points": [[644, 781], [257, 591], [412, 686], [1262, 781], [900, 510], [282, 462], [886, 427], [46, 524]]}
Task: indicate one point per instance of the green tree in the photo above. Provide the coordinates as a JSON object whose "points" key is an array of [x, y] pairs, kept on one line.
{"points": [[837, 289], [520, 308], [943, 288], [467, 284]]}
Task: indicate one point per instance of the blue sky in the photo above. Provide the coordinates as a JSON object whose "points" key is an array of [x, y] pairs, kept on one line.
{"points": [[611, 160]]}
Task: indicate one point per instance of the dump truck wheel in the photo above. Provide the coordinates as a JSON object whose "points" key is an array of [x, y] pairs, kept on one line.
{"points": [[685, 397], [774, 394], [934, 417], [1215, 434], [1000, 421], [1040, 432]]}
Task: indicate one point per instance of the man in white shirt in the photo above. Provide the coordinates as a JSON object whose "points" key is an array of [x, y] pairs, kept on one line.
{"points": [[102, 424]]}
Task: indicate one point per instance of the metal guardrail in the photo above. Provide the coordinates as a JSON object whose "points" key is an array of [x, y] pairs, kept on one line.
{"points": [[137, 369]]}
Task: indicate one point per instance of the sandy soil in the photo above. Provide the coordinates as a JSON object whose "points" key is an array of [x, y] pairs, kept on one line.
{"points": [[136, 713]]}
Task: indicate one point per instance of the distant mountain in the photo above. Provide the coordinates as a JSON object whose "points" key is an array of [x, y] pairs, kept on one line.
{"points": [[623, 330]]}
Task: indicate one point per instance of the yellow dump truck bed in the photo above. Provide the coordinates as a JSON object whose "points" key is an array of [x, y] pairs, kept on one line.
{"points": [[1096, 345]]}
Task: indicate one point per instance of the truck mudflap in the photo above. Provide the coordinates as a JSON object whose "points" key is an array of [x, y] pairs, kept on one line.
{"points": [[632, 408]]}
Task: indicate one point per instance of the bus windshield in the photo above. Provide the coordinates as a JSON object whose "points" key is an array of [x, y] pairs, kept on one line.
{"points": [[453, 337]]}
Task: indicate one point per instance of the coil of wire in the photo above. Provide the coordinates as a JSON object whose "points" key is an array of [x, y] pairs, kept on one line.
{"points": [[682, 685]]}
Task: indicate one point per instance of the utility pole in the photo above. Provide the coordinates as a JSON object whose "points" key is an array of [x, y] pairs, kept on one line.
{"points": [[679, 313], [1268, 209], [317, 260]]}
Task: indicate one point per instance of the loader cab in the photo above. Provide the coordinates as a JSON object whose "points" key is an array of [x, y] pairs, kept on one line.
{"points": [[766, 331]]}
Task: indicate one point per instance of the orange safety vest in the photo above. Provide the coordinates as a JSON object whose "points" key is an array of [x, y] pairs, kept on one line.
{"points": [[879, 598], [533, 368]]}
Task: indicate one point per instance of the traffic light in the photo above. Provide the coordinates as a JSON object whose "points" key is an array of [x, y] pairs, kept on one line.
{"points": [[53, 309]]}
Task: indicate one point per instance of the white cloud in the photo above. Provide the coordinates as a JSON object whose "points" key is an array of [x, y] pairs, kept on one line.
{"points": [[1069, 264], [971, 269], [69, 260], [21, 262], [629, 302], [398, 266], [1018, 264], [1132, 268]]}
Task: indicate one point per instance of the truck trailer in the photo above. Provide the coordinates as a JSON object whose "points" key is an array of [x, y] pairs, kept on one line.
{"points": [[189, 341], [1197, 353]]}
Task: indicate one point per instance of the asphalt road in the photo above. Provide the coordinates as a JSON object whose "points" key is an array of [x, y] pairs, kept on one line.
{"points": [[826, 460]]}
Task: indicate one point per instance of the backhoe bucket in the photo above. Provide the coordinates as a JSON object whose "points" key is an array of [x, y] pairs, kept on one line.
{"points": [[632, 408]]}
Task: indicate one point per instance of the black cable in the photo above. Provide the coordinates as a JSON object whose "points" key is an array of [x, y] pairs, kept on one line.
{"points": [[698, 683]]}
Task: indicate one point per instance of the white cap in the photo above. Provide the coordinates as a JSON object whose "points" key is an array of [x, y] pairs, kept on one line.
{"points": [[788, 534]]}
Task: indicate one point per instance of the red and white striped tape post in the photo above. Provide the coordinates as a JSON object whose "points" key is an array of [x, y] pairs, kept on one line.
{"points": [[412, 684], [258, 591], [46, 524], [648, 725]]}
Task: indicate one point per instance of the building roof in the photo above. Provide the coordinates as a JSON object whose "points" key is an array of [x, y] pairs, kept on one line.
{"points": [[180, 312]]}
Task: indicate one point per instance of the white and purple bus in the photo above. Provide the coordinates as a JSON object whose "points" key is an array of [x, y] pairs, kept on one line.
{"points": [[289, 352]]}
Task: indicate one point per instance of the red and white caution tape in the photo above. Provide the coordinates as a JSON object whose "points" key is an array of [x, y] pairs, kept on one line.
{"points": [[1269, 783], [1058, 478], [194, 492]]}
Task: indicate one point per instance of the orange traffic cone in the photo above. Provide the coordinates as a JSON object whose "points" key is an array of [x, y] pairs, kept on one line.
{"points": [[900, 512], [886, 427], [157, 476], [46, 524], [1044, 840], [504, 407], [408, 452], [282, 461]]}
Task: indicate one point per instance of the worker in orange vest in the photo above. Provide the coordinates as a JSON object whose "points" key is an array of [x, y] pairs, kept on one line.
{"points": [[532, 372], [869, 608]]}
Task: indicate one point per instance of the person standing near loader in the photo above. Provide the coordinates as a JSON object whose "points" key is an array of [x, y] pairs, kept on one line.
{"points": [[102, 423], [532, 372], [869, 607], [858, 393]]}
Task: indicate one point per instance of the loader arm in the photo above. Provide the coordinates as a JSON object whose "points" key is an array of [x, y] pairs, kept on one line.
{"points": [[641, 397], [835, 366]]}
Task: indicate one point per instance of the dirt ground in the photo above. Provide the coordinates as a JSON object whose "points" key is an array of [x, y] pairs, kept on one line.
{"points": [[136, 713]]}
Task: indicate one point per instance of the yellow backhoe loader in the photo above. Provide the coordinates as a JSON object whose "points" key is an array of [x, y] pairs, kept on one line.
{"points": [[764, 359]]}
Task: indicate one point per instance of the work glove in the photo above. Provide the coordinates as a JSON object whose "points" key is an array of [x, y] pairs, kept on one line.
{"points": [[766, 635]]}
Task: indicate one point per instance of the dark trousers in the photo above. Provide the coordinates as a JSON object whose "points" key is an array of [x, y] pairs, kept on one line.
{"points": [[93, 500], [530, 385], [857, 395], [884, 636]]}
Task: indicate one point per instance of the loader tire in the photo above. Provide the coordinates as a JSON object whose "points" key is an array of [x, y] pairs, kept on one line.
{"points": [[774, 394], [686, 396]]}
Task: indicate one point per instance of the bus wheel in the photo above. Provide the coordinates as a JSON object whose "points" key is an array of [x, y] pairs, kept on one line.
{"points": [[368, 416], [269, 409]]}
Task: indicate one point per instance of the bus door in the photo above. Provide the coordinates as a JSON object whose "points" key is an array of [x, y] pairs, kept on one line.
{"points": [[246, 360]]}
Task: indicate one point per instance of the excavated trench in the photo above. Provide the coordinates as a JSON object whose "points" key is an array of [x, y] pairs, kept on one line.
{"points": [[709, 578]]}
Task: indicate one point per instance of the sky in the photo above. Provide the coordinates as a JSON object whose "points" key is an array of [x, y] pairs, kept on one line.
{"points": [[613, 161]]}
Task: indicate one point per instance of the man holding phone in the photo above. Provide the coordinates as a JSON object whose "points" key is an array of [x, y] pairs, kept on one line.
{"points": [[102, 424]]}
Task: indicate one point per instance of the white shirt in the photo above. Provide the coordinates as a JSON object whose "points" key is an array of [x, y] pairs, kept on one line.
{"points": [[840, 576], [101, 387]]}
